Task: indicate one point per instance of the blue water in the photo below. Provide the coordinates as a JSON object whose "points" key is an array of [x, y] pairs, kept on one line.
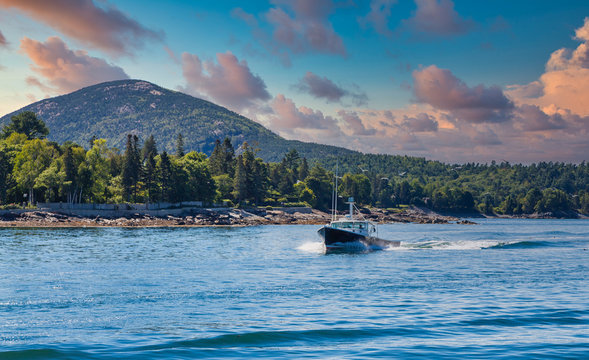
{"points": [[502, 289]]}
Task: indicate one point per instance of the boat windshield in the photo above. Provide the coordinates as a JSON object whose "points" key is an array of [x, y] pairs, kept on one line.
{"points": [[351, 225]]}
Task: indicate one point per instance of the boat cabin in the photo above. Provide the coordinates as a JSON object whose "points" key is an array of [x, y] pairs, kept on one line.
{"points": [[365, 228]]}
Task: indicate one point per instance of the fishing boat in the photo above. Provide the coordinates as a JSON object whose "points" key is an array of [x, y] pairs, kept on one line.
{"points": [[353, 234]]}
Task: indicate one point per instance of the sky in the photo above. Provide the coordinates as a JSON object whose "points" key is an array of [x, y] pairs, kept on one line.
{"points": [[451, 80]]}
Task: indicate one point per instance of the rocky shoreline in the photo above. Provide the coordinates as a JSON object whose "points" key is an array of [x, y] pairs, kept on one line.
{"points": [[217, 217]]}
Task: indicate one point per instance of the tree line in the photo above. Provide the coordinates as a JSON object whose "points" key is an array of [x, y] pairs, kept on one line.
{"points": [[33, 169]]}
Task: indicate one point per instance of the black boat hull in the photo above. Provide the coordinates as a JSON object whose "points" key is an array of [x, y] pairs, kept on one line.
{"points": [[347, 240]]}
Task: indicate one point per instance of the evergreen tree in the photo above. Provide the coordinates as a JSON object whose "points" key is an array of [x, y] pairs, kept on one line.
{"points": [[303, 170], [5, 170], [180, 146], [216, 159], [240, 181], [131, 168], [229, 151], [149, 173], [165, 176], [222, 158], [149, 147], [291, 160]]}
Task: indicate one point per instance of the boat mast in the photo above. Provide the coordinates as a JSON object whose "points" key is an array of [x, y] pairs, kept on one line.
{"points": [[334, 195]]}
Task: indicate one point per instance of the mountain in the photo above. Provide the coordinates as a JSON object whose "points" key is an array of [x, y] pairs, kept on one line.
{"points": [[114, 109]]}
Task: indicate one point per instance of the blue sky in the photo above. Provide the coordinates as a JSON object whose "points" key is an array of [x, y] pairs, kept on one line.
{"points": [[450, 80]]}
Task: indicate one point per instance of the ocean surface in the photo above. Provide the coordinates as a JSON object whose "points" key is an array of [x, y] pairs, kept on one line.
{"points": [[504, 289]]}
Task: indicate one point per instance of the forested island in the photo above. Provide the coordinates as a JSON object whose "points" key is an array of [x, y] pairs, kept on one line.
{"points": [[34, 169]]}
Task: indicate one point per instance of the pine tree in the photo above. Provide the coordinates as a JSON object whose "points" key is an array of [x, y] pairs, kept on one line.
{"points": [[291, 160], [127, 176], [216, 159], [149, 173], [137, 166], [148, 147], [229, 151], [131, 168], [180, 146], [70, 173], [240, 181], [5, 170], [165, 176], [303, 170]]}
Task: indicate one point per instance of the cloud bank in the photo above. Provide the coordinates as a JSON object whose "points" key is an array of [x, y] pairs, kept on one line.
{"points": [[442, 90], [106, 29], [229, 82], [323, 88], [565, 83], [295, 27], [66, 70], [437, 18]]}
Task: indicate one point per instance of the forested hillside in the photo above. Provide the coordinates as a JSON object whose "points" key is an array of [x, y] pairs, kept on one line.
{"points": [[35, 169]]}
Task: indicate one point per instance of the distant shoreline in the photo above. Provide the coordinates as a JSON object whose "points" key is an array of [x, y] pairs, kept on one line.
{"points": [[235, 217], [206, 217]]}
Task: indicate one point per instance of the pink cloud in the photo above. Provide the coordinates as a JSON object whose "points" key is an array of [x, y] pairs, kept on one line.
{"points": [[353, 122], [565, 83], [298, 27], [532, 118], [230, 82], [438, 18], [564, 58], [422, 122], [582, 33], [289, 117], [442, 90], [308, 29], [105, 29], [64, 69], [378, 17], [324, 88]]}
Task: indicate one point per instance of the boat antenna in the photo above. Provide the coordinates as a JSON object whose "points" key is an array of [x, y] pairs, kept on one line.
{"points": [[334, 198]]}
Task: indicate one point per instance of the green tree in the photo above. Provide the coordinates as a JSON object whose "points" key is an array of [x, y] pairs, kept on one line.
{"points": [[52, 180], [165, 172], [240, 181], [224, 186], [97, 165], [26, 123], [357, 186], [303, 171], [149, 173], [222, 158], [180, 146], [149, 147], [32, 160], [201, 185], [5, 171], [131, 168], [530, 200], [292, 160], [320, 183]]}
